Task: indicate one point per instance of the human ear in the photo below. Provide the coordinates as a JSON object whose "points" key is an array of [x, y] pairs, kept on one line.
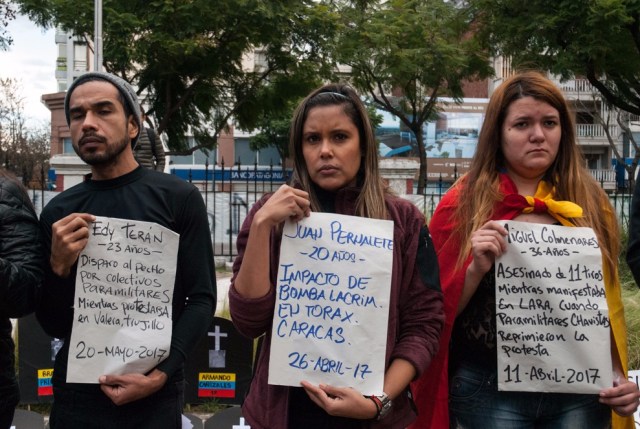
{"points": [[132, 127]]}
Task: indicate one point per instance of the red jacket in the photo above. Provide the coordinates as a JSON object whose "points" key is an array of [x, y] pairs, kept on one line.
{"points": [[431, 391]]}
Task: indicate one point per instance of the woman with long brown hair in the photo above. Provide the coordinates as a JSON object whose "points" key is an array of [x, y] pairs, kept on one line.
{"points": [[526, 147], [336, 171]]}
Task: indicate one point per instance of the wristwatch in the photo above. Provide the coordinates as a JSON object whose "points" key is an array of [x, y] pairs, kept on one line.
{"points": [[383, 404]]}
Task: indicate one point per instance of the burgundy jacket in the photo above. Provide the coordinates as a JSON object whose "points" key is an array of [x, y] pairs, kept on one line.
{"points": [[415, 314]]}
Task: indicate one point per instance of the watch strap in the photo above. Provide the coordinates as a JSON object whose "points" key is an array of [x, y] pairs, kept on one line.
{"points": [[383, 405]]}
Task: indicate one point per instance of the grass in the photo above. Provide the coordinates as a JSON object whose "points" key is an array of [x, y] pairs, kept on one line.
{"points": [[209, 406], [631, 301], [41, 408]]}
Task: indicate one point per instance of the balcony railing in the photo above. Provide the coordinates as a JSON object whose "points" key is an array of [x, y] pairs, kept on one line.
{"points": [[594, 130], [606, 177], [79, 65], [575, 85]]}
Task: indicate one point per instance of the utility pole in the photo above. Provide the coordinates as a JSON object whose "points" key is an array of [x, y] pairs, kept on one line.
{"points": [[97, 36]]}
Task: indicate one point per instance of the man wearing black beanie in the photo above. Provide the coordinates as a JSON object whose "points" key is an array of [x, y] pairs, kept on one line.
{"points": [[103, 114]]}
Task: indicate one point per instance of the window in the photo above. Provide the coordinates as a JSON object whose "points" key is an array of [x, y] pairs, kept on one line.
{"points": [[243, 154], [67, 146], [200, 157], [246, 156], [197, 157], [585, 118], [79, 57], [593, 161]]}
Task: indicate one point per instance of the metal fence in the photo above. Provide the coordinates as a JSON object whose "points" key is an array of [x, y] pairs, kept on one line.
{"points": [[229, 193]]}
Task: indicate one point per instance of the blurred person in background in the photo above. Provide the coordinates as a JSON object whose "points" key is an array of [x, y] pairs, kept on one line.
{"points": [[20, 278], [148, 150]]}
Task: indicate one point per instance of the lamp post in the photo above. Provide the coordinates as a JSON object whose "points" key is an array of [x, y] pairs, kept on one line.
{"points": [[97, 36]]}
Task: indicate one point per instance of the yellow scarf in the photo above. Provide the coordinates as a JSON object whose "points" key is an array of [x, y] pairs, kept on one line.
{"points": [[543, 201]]}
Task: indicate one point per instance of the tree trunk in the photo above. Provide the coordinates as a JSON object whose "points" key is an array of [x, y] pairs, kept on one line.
{"points": [[631, 172], [422, 155]]}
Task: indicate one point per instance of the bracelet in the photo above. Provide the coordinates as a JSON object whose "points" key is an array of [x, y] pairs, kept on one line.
{"points": [[378, 404], [383, 405]]}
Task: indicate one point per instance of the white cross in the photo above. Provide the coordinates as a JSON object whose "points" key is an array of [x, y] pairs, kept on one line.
{"points": [[217, 334], [241, 425]]}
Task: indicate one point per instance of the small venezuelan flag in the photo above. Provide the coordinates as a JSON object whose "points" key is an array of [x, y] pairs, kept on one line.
{"points": [[45, 388], [216, 385]]}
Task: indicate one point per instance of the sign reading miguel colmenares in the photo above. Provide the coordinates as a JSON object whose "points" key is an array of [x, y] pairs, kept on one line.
{"points": [[124, 291], [553, 330]]}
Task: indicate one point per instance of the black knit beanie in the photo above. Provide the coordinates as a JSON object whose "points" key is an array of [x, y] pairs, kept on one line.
{"points": [[127, 91]]}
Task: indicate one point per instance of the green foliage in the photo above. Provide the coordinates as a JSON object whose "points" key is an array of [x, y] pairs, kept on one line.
{"points": [[404, 54], [374, 117], [7, 13], [188, 57], [274, 132], [597, 39]]}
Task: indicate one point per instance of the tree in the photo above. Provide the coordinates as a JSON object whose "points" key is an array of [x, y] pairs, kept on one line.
{"points": [[186, 58], [598, 40], [23, 151], [405, 54], [622, 120], [274, 132], [7, 14]]}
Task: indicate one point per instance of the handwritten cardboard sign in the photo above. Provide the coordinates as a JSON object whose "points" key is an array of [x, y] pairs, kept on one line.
{"points": [[552, 319], [123, 297], [332, 303]]}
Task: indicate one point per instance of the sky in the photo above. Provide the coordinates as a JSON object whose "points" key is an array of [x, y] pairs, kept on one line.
{"points": [[32, 60]]}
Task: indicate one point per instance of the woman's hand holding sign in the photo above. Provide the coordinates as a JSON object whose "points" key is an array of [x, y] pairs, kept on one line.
{"points": [[286, 203], [623, 397], [487, 243], [341, 401]]}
